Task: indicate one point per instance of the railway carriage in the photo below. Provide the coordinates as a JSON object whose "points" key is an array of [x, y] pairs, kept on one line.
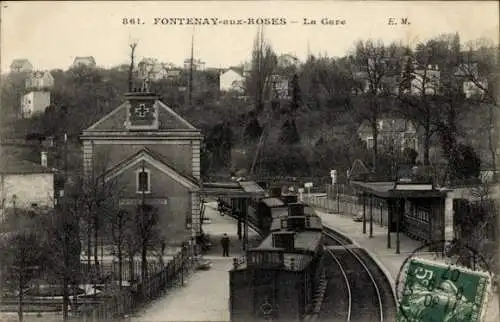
{"points": [[279, 278]]}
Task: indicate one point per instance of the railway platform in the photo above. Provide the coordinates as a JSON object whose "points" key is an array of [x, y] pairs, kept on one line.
{"points": [[205, 293], [387, 259]]}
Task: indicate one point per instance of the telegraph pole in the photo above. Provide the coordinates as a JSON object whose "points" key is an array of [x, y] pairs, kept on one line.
{"points": [[143, 204], [190, 98], [66, 237]]}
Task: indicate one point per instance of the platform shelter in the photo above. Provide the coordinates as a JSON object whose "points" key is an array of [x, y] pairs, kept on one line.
{"points": [[240, 195], [414, 208]]}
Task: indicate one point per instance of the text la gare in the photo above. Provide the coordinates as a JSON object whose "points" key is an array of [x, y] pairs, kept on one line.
{"points": [[324, 21]]}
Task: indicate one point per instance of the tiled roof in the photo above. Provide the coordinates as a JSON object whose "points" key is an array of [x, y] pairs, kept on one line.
{"points": [[18, 62], [116, 120], [11, 165]]}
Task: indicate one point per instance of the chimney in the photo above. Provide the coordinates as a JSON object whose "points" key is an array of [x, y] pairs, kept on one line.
{"points": [[285, 240], [43, 158]]}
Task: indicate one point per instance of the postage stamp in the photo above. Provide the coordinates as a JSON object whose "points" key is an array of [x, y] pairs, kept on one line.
{"points": [[437, 292]]}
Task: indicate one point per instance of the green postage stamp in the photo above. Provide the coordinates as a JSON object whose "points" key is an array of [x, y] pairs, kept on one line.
{"points": [[435, 292]]}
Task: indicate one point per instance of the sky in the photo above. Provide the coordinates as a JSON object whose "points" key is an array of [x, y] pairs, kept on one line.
{"points": [[50, 34]]}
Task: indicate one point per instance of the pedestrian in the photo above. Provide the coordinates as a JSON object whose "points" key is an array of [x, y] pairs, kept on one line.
{"points": [[225, 245]]}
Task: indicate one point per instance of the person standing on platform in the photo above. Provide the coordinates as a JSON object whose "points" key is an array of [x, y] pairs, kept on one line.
{"points": [[225, 245]]}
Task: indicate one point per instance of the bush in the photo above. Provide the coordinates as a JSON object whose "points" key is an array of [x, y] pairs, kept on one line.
{"points": [[278, 159]]}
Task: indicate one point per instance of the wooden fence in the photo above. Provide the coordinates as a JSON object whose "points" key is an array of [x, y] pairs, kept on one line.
{"points": [[350, 205], [121, 302], [106, 269]]}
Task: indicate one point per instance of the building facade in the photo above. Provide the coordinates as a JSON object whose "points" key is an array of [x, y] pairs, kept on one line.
{"points": [[25, 185], [425, 81], [393, 134], [40, 80], [34, 103], [198, 64], [88, 61], [152, 155], [21, 65], [231, 80]]}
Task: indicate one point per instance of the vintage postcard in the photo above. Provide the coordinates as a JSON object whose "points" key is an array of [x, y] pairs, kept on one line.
{"points": [[249, 160]]}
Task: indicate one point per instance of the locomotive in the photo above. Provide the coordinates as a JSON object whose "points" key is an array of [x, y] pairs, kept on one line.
{"points": [[278, 279]]}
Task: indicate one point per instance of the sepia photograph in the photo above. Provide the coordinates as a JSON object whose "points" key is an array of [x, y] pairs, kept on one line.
{"points": [[240, 161]]}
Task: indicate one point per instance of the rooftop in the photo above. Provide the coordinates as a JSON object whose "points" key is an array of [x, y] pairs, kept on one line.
{"points": [[303, 240], [233, 188], [12, 165], [391, 189], [272, 202]]}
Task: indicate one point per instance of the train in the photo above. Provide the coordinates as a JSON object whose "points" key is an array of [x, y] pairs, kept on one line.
{"points": [[278, 279]]}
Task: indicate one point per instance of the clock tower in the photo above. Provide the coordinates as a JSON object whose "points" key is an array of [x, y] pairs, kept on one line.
{"points": [[142, 112]]}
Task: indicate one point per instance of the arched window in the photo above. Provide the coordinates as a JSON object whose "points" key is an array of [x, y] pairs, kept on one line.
{"points": [[143, 180]]}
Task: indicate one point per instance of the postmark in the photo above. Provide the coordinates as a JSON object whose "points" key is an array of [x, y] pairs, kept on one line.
{"points": [[435, 290]]}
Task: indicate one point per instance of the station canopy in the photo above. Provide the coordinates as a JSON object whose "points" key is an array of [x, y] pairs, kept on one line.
{"points": [[234, 189], [400, 189]]}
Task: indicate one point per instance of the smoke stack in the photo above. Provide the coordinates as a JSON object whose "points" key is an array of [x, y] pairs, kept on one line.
{"points": [[43, 158]]}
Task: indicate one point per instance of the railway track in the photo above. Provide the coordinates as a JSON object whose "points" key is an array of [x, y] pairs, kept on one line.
{"points": [[369, 293]]}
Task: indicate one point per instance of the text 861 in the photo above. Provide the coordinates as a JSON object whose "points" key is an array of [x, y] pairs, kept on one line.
{"points": [[132, 21]]}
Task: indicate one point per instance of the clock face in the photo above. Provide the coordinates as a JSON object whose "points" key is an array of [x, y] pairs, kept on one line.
{"points": [[142, 113]]}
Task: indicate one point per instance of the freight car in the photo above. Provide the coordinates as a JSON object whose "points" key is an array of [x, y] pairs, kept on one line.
{"points": [[262, 210], [278, 279]]}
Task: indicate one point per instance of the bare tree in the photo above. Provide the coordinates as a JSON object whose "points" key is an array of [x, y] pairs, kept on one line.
{"points": [[371, 68], [480, 69], [121, 232], [95, 197], [263, 65], [23, 257], [146, 220], [63, 245]]}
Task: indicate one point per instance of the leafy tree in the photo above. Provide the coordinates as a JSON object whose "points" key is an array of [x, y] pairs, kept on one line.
{"points": [[253, 130], [410, 156], [219, 142], [296, 100], [289, 133], [465, 164]]}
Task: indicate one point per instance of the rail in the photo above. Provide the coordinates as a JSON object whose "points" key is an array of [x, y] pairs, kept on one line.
{"points": [[342, 270], [377, 290]]}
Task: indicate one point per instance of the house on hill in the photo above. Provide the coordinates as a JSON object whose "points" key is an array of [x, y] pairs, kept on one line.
{"points": [[21, 65], [35, 102], [231, 80], [37, 97], [39, 80], [88, 61], [198, 64], [393, 133], [153, 155], [151, 69]]}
